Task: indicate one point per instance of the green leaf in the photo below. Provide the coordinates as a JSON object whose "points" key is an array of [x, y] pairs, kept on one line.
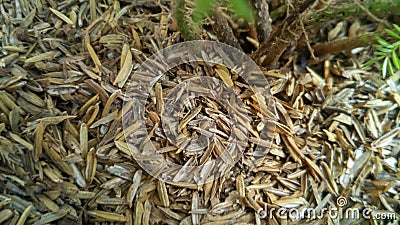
{"points": [[383, 42], [202, 8], [396, 27], [384, 67], [396, 60], [382, 49], [396, 44], [390, 67], [372, 61], [380, 53], [243, 9], [392, 33]]}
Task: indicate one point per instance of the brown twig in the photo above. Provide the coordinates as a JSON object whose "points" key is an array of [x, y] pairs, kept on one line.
{"points": [[263, 20], [223, 31], [280, 39], [307, 40], [345, 44]]}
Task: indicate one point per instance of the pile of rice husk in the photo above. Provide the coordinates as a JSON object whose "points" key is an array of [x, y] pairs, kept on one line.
{"points": [[64, 159]]}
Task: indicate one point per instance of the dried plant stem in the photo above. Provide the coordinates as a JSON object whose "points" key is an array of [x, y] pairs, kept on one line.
{"points": [[341, 45]]}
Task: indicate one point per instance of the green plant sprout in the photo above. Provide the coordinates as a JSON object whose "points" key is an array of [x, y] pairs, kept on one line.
{"points": [[388, 52], [190, 25], [240, 7]]}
